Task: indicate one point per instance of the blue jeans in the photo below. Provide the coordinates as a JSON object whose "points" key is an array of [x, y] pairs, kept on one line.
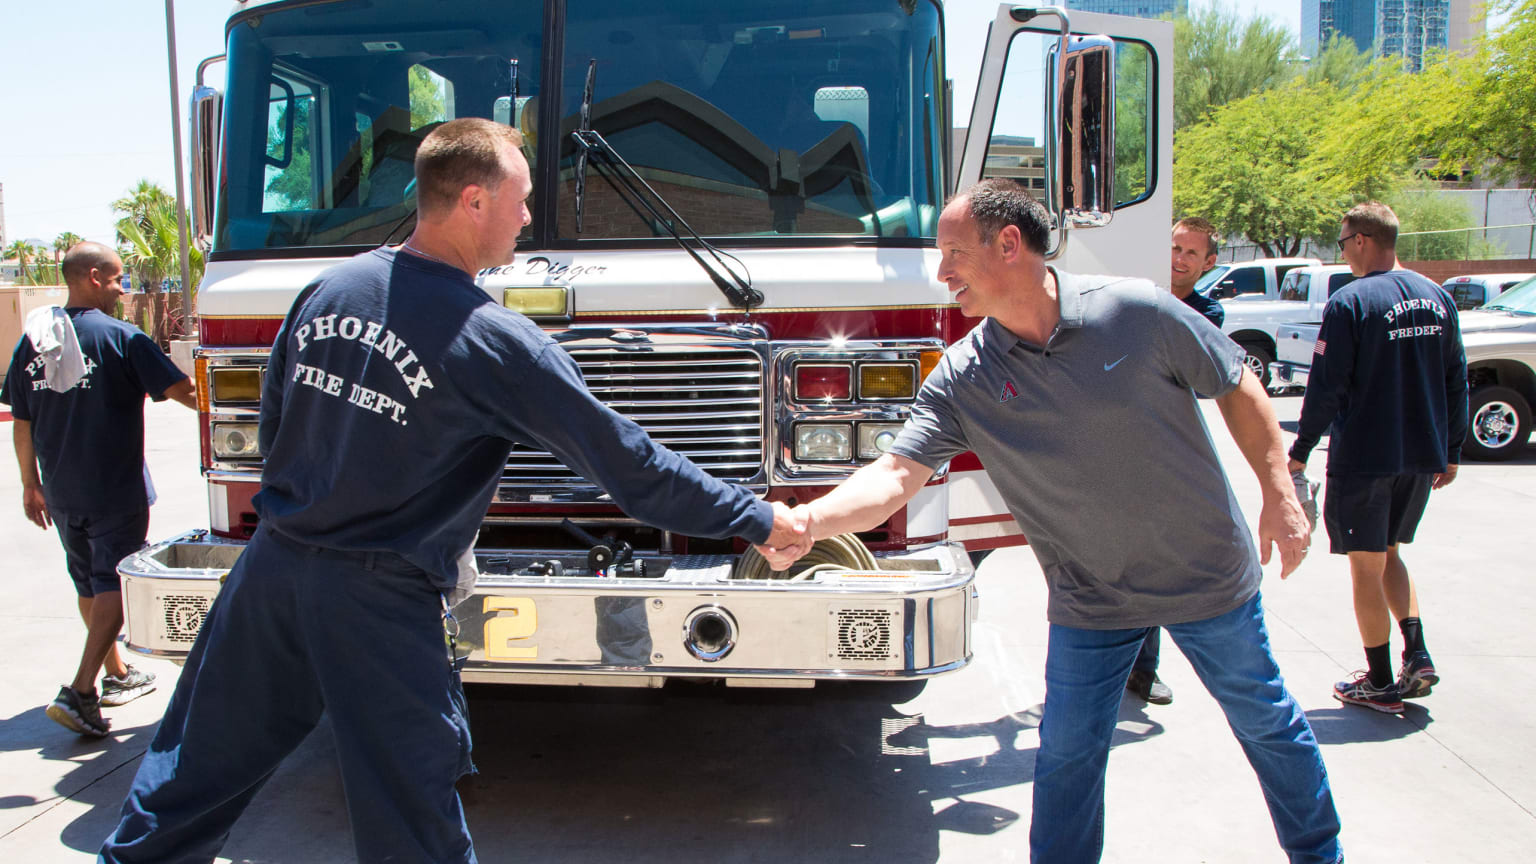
{"points": [[1151, 647], [297, 632], [1085, 670]]}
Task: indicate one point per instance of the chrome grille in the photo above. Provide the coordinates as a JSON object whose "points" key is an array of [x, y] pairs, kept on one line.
{"points": [[706, 404], [864, 634], [184, 614]]}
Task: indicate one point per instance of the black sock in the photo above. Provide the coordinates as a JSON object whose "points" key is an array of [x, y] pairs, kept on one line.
{"points": [[1379, 660], [1413, 636]]}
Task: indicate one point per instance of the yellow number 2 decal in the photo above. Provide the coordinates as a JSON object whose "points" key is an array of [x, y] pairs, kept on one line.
{"points": [[509, 626]]}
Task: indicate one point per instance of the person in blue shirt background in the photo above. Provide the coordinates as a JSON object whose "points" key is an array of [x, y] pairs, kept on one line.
{"points": [[76, 387], [393, 395], [1389, 384], [1194, 254]]}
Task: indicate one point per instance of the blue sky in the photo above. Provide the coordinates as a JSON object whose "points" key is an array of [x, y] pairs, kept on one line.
{"points": [[86, 108]]}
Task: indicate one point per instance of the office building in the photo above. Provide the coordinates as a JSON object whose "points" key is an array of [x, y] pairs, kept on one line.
{"points": [[1133, 8], [1410, 29]]}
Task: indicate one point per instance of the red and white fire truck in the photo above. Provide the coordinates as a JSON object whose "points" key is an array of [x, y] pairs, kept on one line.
{"points": [[734, 213]]}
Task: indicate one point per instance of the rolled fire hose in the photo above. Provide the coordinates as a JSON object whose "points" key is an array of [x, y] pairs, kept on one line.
{"points": [[843, 552]]}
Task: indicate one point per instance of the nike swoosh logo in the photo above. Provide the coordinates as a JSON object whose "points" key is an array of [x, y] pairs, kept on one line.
{"points": [[1109, 366]]}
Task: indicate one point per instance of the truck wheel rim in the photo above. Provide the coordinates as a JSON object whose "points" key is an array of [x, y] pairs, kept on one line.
{"points": [[1496, 423], [1254, 364]]}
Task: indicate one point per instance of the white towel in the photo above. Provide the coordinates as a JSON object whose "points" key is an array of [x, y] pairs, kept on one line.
{"points": [[53, 337]]}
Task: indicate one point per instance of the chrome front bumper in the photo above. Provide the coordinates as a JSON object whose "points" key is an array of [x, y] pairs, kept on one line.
{"points": [[907, 620], [1288, 374]]}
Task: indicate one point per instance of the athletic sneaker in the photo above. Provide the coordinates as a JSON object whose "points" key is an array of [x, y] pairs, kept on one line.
{"points": [[1361, 691], [78, 712], [1418, 677], [121, 691]]}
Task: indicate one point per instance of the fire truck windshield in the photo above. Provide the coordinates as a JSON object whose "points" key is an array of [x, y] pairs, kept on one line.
{"points": [[760, 119]]}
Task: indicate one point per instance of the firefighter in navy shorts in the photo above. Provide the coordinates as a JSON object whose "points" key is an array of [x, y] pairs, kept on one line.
{"points": [[1389, 384], [394, 392], [76, 387]]}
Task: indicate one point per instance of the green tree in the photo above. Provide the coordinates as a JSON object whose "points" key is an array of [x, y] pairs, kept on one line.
{"points": [[1252, 168], [146, 194], [21, 252], [1218, 58], [1490, 123], [149, 243], [1340, 63], [1421, 207], [291, 187], [429, 97], [1131, 122]]}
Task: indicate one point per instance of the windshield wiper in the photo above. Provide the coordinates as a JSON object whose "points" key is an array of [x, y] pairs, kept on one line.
{"points": [[628, 182], [581, 158]]}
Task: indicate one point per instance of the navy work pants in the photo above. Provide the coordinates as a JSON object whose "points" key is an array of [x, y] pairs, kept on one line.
{"points": [[296, 632]]}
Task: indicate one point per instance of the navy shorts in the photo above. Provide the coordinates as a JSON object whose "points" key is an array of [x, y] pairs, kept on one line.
{"points": [[94, 544], [1369, 514]]}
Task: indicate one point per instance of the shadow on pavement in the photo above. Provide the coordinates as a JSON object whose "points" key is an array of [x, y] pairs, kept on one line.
{"points": [[100, 770], [1352, 725], [685, 773]]}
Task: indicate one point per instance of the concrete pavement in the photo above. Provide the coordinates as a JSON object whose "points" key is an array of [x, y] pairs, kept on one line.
{"points": [[702, 774]]}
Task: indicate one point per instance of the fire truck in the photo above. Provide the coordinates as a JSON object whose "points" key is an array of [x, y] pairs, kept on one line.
{"points": [[734, 213]]}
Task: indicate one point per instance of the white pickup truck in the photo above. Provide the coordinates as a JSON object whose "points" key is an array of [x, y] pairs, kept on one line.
{"points": [[1254, 322], [1500, 338]]}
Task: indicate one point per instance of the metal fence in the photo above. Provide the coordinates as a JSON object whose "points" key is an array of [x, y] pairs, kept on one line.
{"points": [[1480, 243]]}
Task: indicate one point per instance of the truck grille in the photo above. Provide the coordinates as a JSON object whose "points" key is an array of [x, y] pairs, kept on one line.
{"points": [[706, 404]]}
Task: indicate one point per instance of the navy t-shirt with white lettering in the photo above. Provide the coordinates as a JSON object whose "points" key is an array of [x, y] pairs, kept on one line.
{"points": [[90, 439], [394, 393], [1388, 379]]}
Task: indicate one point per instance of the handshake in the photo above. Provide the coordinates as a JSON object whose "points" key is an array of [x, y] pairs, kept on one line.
{"points": [[792, 536]]}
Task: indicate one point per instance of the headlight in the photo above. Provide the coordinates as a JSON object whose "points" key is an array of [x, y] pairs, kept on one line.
{"points": [[876, 438], [234, 441], [236, 384], [823, 442]]}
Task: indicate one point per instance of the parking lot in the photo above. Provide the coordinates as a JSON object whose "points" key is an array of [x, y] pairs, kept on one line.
{"points": [[702, 774]]}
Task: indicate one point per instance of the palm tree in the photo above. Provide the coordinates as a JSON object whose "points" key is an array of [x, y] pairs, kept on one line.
{"points": [[18, 250], [25, 252], [150, 243], [63, 243], [143, 197]]}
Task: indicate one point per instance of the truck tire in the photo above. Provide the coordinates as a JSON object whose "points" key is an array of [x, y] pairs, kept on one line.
{"points": [[1499, 424], [1258, 360]]}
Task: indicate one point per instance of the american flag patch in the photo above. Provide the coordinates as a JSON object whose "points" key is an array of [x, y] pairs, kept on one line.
{"points": [[1319, 347]]}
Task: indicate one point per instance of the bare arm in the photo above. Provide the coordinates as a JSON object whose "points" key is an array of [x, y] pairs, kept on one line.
{"points": [[1252, 422], [863, 501], [183, 392], [32, 502]]}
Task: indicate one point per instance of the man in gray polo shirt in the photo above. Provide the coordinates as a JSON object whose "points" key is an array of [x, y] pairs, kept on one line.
{"points": [[1078, 394]]}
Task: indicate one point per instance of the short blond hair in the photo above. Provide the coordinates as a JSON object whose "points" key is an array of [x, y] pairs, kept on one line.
{"points": [[1200, 226], [460, 153]]}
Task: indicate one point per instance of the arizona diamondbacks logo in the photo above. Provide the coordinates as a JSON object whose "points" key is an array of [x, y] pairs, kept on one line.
{"points": [[1008, 392]]}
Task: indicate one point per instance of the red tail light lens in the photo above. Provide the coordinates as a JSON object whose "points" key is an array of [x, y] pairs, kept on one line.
{"points": [[823, 382]]}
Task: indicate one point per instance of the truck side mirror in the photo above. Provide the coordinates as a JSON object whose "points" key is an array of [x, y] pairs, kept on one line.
{"points": [[207, 113], [1083, 108]]}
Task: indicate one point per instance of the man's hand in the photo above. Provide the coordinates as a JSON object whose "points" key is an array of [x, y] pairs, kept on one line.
{"points": [[1444, 478], [35, 506], [1283, 523], [791, 537]]}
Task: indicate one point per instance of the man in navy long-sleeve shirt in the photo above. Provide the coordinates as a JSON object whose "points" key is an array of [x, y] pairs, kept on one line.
{"points": [[393, 394], [1389, 383]]}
